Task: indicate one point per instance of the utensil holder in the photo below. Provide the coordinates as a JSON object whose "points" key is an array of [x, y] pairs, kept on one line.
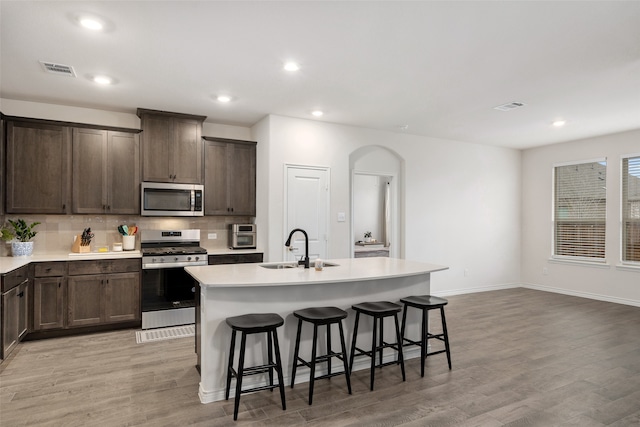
{"points": [[78, 248], [128, 243]]}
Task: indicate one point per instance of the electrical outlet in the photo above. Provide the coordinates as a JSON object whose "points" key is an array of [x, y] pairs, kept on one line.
{"points": [[545, 271], [212, 236], [466, 272]]}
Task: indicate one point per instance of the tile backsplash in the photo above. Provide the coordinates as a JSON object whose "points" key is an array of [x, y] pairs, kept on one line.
{"points": [[56, 232]]}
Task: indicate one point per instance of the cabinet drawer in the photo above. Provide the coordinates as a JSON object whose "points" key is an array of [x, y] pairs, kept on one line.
{"points": [[50, 269], [104, 266], [14, 278], [235, 258]]}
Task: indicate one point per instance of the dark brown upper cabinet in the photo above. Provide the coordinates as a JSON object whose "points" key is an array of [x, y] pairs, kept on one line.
{"points": [[230, 177], [38, 171], [171, 147], [106, 172], [2, 134]]}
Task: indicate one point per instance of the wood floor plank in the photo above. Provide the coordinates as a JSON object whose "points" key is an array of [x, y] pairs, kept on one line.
{"points": [[520, 357]]}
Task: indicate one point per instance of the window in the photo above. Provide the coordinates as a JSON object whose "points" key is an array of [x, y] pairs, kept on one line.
{"points": [[631, 209], [580, 210]]}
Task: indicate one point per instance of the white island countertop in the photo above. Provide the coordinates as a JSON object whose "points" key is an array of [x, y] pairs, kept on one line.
{"points": [[346, 270]]}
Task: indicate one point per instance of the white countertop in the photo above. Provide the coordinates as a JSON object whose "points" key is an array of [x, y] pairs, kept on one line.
{"points": [[10, 263], [348, 270]]}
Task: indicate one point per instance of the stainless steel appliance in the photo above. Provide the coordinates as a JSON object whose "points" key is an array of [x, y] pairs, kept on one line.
{"points": [[242, 236], [170, 199], [168, 292]]}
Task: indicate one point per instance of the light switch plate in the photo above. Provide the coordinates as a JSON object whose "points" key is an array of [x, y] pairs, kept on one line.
{"points": [[212, 236], [342, 217]]}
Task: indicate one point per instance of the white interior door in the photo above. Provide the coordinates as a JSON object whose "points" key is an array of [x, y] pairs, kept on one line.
{"points": [[307, 202]]}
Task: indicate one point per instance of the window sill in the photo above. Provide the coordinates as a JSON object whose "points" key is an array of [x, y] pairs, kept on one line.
{"points": [[628, 267], [592, 264]]}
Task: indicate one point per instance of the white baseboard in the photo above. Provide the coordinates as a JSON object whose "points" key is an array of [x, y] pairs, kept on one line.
{"points": [[544, 288], [588, 295], [476, 290]]}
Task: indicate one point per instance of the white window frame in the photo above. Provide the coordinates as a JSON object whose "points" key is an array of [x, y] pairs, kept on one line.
{"points": [[568, 258], [623, 196]]}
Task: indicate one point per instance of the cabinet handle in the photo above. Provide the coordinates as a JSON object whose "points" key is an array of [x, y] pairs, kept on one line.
{"points": [[59, 284], [64, 206], [21, 294]]}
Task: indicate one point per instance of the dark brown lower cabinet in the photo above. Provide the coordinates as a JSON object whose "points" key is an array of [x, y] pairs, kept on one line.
{"points": [[79, 295], [48, 303], [14, 309], [85, 300]]}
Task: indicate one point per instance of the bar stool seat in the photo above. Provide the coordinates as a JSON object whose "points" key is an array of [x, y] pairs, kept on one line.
{"points": [[426, 303], [319, 316], [252, 324], [378, 310]]}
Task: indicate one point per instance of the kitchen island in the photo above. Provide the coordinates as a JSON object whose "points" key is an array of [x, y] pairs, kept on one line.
{"points": [[232, 290]]}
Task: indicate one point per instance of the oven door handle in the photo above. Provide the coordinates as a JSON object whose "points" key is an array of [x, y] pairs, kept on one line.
{"points": [[156, 266]]}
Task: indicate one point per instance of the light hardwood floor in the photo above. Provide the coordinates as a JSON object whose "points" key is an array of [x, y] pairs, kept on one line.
{"points": [[520, 358]]}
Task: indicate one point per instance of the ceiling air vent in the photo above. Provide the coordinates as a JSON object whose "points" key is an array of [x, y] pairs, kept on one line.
{"points": [[510, 106], [63, 70]]}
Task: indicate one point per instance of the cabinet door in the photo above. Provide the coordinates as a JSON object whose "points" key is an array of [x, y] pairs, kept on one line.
{"points": [[156, 143], [23, 309], [10, 308], [2, 165], [38, 176], [242, 179], [85, 300], [187, 151], [89, 171], [215, 172], [122, 297], [48, 303], [123, 173]]}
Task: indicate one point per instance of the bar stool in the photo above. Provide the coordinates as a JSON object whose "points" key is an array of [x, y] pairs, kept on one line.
{"points": [[426, 303], [378, 310], [320, 316], [253, 324]]}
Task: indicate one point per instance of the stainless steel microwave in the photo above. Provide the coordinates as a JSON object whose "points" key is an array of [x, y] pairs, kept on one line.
{"points": [[170, 199]]}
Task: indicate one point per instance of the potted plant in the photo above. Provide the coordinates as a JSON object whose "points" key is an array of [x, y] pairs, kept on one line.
{"points": [[20, 235], [367, 237]]}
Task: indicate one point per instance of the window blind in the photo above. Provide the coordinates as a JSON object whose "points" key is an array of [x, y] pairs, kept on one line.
{"points": [[631, 209], [580, 210]]}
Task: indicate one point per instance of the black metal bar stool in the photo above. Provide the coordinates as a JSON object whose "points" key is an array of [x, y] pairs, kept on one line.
{"points": [[426, 303], [320, 316], [253, 324], [378, 310]]}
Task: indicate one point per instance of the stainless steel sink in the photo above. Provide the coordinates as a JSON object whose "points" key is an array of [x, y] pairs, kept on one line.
{"points": [[285, 265]]}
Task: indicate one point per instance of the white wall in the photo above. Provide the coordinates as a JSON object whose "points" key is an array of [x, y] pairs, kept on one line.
{"points": [[462, 201], [612, 283]]}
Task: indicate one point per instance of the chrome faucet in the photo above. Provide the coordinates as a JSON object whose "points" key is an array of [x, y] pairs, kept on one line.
{"points": [[304, 262]]}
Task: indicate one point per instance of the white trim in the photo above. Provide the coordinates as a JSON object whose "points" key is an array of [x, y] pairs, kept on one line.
{"points": [[580, 162], [588, 295], [476, 290], [628, 267], [580, 261]]}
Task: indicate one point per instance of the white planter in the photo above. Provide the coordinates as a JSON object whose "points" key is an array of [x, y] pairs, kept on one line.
{"points": [[21, 248]]}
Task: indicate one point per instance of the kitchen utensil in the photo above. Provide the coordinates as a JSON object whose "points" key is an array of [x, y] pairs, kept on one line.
{"points": [[126, 230], [121, 230]]}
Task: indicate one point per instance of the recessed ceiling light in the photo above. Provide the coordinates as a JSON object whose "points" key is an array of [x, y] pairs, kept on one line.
{"points": [[91, 24], [559, 123], [223, 98], [317, 113], [103, 80], [291, 66]]}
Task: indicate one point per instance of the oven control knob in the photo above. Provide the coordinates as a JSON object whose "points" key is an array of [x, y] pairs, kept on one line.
{"points": [[197, 258], [176, 259], [153, 260], [189, 258]]}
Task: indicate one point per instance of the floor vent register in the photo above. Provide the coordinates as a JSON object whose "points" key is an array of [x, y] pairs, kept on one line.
{"points": [[163, 334]]}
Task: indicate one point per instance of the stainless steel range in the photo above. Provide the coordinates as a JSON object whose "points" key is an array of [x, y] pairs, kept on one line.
{"points": [[168, 292]]}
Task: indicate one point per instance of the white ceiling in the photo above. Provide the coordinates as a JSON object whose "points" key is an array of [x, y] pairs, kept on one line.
{"points": [[437, 67]]}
